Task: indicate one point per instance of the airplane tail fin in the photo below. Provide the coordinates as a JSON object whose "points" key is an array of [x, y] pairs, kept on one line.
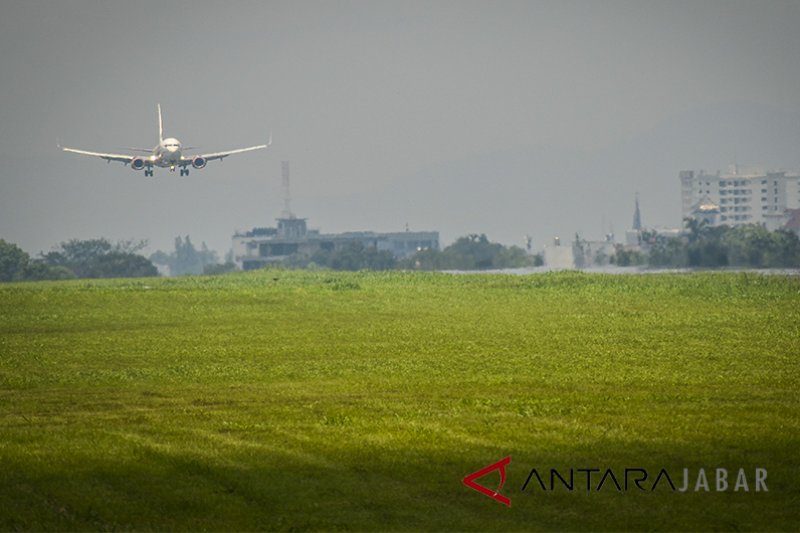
{"points": [[160, 126]]}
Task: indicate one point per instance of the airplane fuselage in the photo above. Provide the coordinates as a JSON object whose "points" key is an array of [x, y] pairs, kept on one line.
{"points": [[167, 154]]}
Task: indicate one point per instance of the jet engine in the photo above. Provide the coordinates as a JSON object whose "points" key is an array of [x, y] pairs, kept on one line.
{"points": [[199, 162], [137, 163]]}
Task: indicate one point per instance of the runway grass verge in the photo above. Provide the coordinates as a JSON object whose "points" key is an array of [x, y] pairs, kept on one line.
{"points": [[288, 400]]}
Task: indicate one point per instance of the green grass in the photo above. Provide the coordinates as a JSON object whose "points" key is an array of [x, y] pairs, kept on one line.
{"points": [[328, 401]]}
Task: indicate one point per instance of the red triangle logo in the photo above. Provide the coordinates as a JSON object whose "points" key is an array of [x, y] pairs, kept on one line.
{"points": [[500, 465]]}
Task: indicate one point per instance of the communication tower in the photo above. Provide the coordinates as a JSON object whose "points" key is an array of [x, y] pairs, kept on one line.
{"points": [[287, 198]]}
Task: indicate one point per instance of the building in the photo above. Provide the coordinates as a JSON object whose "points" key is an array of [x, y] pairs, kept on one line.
{"points": [[557, 256], [793, 224], [579, 253], [261, 246], [705, 210], [736, 198]]}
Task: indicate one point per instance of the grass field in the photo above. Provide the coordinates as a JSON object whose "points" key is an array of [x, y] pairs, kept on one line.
{"points": [[335, 401]]}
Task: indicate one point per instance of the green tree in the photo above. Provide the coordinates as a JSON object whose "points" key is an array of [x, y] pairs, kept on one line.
{"points": [[185, 258], [13, 261], [122, 265], [38, 270], [471, 252], [79, 255], [785, 250], [425, 260], [623, 257], [667, 252], [513, 257], [16, 265], [753, 245], [356, 256], [98, 258], [750, 245]]}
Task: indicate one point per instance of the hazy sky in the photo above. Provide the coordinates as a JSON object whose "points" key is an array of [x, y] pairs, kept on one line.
{"points": [[381, 107]]}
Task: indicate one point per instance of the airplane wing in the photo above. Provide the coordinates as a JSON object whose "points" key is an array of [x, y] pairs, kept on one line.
{"points": [[122, 158], [220, 155]]}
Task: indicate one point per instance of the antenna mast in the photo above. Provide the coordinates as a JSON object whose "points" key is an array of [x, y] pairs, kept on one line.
{"points": [[287, 212]]}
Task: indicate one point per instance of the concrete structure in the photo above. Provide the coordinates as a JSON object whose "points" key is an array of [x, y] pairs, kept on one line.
{"points": [[557, 256], [261, 246], [740, 197], [579, 253]]}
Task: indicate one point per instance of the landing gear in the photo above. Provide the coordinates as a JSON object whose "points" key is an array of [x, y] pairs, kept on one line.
{"points": [[148, 173], [184, 172]]}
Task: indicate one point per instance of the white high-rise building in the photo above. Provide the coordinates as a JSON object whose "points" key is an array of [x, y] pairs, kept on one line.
{"points": [[737, 197]]}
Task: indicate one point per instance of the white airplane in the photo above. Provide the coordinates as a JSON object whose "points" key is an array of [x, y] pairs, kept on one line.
{"points": [[166, 154]]}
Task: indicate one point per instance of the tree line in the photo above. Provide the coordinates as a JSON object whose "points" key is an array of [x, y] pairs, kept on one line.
{"points": [[705, 246], [93, 258], [701, 245], [100, 258], [471, 252]]}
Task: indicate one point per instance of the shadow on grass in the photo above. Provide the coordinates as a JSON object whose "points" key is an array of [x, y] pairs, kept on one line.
{"points": [[252, 490]]}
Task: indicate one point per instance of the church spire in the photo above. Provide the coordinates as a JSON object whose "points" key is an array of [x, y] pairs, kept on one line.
{"points": [[637, 216]]}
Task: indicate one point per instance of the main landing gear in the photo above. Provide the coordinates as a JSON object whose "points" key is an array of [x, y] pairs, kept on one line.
{"points": [[148, 173], [184, 172]]}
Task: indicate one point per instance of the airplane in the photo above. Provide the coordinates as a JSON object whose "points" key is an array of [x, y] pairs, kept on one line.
{"points": [[166, 154]]}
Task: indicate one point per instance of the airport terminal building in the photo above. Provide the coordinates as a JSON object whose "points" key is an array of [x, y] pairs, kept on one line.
{"points": [[261, 246]]}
